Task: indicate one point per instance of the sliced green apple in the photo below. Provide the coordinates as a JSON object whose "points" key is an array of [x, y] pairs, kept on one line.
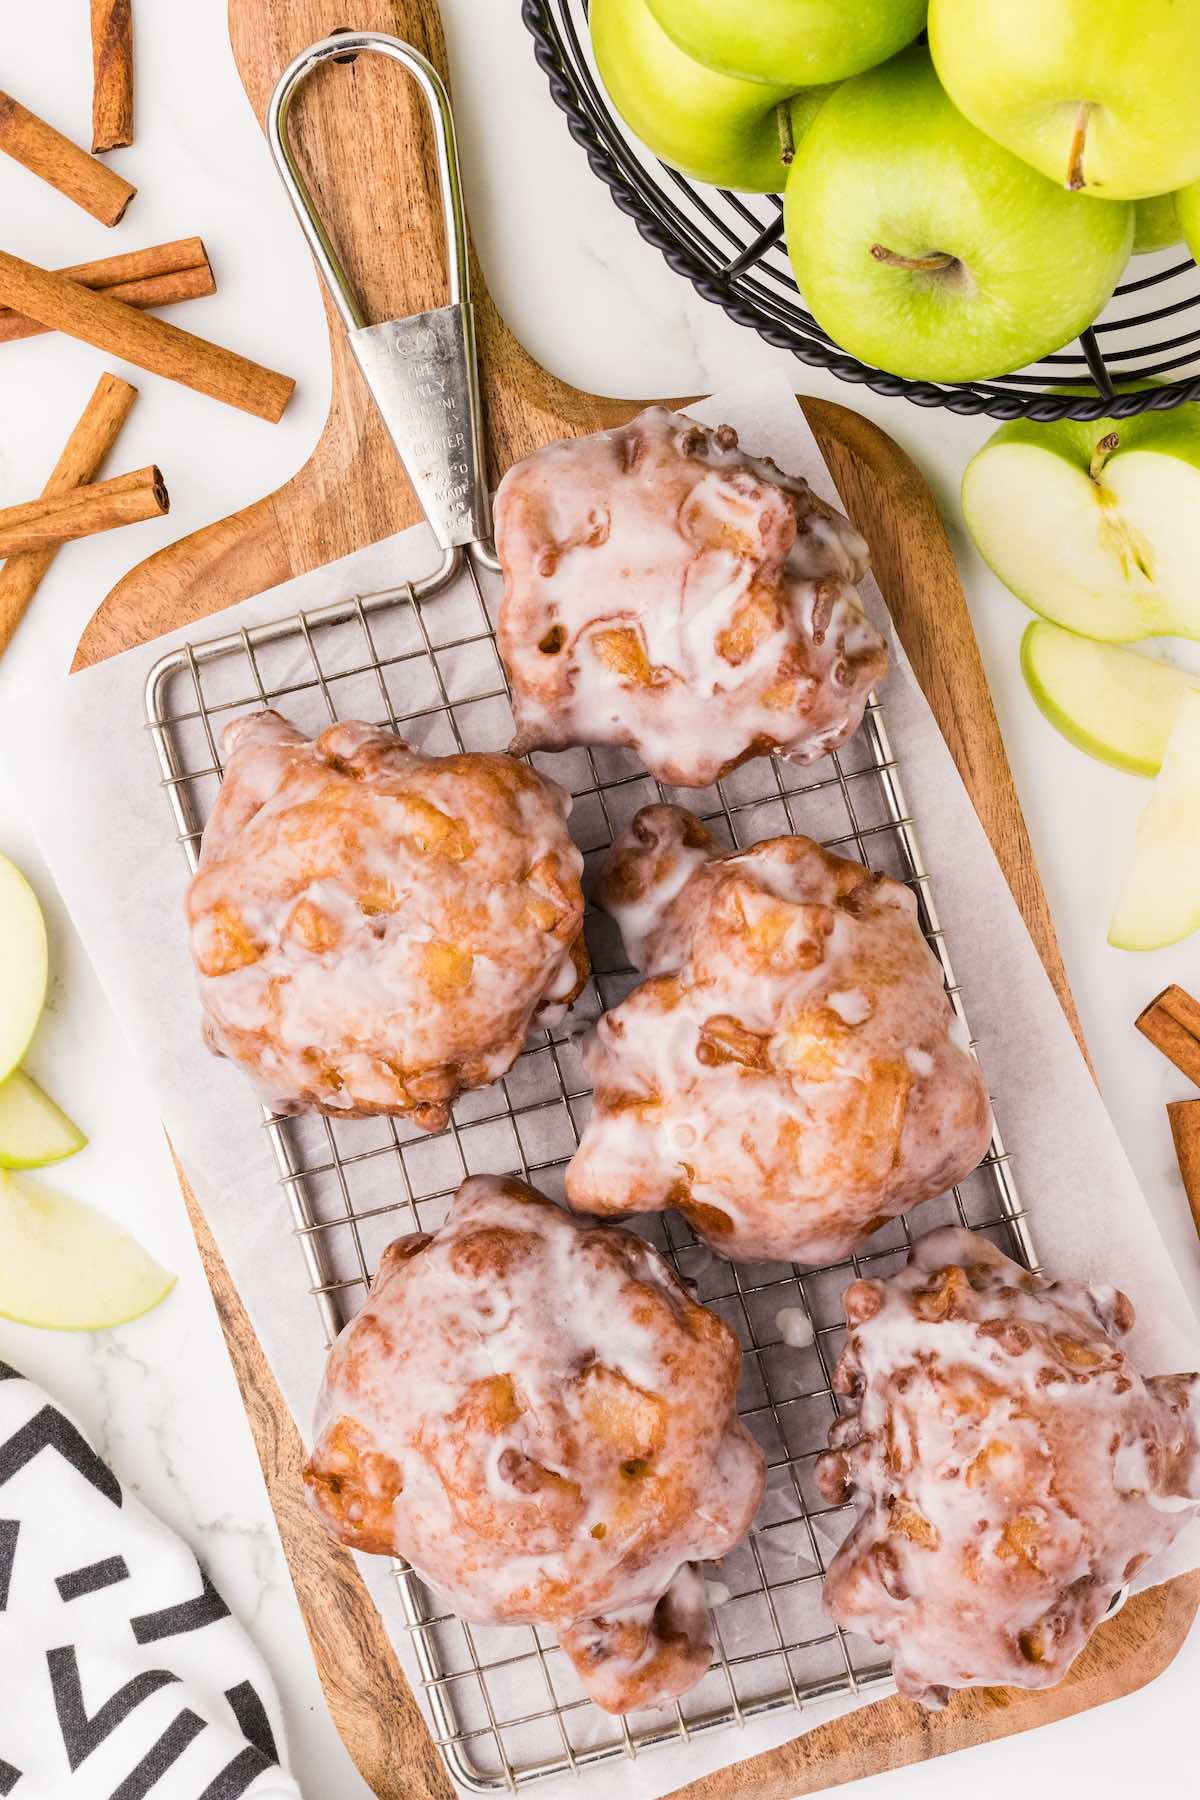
{"points": [[24, 965], [33, 1130], [66, 1267], [1095, 526], [1159, 902], [1115, 704], [734, 133]]}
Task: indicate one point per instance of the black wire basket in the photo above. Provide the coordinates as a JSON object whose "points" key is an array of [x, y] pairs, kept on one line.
{"points": [[730, 247]]}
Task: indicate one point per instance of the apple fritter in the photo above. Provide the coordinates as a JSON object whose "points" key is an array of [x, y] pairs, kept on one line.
{"points": [[790, 1073], [537, 1415], [375, 930], [1010, 1467], [666, 591]]}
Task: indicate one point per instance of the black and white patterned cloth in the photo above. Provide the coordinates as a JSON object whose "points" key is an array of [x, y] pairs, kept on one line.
{"points": [[122, 1672]]}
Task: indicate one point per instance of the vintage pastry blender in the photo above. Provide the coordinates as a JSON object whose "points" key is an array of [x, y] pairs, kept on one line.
{"points": [[422, 371]]}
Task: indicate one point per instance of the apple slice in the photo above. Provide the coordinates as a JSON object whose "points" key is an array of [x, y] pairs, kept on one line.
{"points": [[66, 1267], [1095, 526], [24, 965], [33, 1131], [1115, 704], [1159, 902]]}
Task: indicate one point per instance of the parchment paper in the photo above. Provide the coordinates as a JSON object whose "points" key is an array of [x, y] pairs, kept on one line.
{"points": [[92, 779]]}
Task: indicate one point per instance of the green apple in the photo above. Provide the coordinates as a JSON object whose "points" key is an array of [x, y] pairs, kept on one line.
{"points": [[1115, 704], [800, 42], [66, 1267], [1187, 209], [1159, 902], [1156, 224], [713, 127], [33, 1131], [1100, 95], [925, 248], [24, 965], [1095, 526]]}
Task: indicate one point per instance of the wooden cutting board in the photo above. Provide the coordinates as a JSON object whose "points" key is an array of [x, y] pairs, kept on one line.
{"points": [[363, 137]]}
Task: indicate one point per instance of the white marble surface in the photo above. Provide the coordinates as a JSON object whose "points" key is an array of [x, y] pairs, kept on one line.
{"points": [[601, 308]]}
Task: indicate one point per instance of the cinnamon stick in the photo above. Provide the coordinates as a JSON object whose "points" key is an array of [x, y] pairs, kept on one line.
{"points": [[1172, 1023], [1185, 1129], [46, 152], [82, 458], [84, 511], [160, 276], [146, 294], [112, 74], [141, 338]]}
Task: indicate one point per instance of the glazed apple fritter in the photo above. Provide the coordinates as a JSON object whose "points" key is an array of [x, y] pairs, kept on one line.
{"points": [[666, 591], [790, 1073], [1010, 1466], [376, 930], [537, 1415]]}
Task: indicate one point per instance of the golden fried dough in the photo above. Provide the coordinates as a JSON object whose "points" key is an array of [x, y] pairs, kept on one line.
{"points": [[666, 591], [790, 1073], [536, 1415], [375, 930], [1010, 1467]]}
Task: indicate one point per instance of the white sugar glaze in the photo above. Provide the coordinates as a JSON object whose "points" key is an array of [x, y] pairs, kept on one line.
{"points": [[1009, 1465], [538, 1416], [794, 1327], [851, 1007], [789, 1073], [666, 591], [374, 929]]}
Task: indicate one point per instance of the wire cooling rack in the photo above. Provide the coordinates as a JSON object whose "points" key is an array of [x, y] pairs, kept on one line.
{"points": [[506, 1706]]}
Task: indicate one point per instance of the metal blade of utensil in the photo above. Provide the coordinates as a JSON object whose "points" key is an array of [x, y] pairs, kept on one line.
{"points": [[422, 374], [422, 371]]}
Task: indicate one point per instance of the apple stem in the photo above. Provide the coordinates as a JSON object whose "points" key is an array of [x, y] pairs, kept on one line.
{"points": [[1100, 455], [1075, 175], [787, 141], [933, 264]]}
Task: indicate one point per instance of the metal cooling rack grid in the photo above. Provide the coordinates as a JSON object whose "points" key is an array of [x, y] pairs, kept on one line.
{"points": [[506, 1705]]}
